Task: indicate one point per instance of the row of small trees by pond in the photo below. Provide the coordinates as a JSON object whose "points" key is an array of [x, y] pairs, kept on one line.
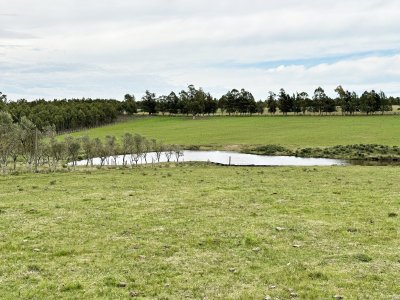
{"points": [[23, 143]]}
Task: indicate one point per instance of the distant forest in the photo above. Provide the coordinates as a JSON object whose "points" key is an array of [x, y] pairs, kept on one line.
{"points": [[71, 114]]}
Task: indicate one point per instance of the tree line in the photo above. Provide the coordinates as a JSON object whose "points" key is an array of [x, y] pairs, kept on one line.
{"points": [[23, 143], [197, 102], [70, 114], [64, 114]]}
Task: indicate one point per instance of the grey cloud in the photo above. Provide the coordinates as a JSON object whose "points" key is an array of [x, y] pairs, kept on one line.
{"points": [[97, 46], [10, 34]]}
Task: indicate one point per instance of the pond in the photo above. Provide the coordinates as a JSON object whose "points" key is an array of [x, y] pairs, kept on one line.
{"points": [[223, 158]]}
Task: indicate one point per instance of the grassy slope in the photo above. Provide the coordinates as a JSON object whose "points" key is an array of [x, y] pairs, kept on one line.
{"points": [[287, 131], [176, 232]]}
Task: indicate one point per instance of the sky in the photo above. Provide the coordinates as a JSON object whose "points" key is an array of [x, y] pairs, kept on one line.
{"points": [[104, 49]]}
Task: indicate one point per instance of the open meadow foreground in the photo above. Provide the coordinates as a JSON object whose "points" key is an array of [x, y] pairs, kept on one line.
{"points": [[199, 231]]}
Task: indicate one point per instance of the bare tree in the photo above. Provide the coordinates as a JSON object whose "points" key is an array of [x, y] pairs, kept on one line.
{"points": [[147, 148], [137, 147], [100, 151], [169, 151], [58, 151], [89, 149], [8, 139], [111, 148], [127, 146], [177, 152], [28, 140], [72, 147], [158, 148]]}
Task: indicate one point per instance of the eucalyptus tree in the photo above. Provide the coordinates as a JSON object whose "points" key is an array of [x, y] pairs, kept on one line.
{"points": [[272, 103], [184, 102], [69, 114], [173, 103], [344, 99], [348, 101], [384, 103], [149, 103], [162, 104], [129, 104], [319, 99], [210, 105], [329, 105], [222, 103], [303, 101], [245, 102], [354, 104], [230, 102], [260, 107], [296, 104], [3, 101], [193, 100], [285, 102], [369, 102]]}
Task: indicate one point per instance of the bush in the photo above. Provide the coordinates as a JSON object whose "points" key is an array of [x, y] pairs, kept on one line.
{"points": [[273, 150], [363, 257]]}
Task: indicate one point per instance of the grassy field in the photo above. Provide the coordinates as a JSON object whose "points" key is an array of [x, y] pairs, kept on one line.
{"points": [[202, 232], [291, 132]]}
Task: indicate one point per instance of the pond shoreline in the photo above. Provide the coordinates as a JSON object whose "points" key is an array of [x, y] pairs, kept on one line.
{"points": [[225, 158], [358, 152]]}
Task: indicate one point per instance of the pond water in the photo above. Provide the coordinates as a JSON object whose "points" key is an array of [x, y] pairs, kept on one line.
{"points": [[223, 158]]}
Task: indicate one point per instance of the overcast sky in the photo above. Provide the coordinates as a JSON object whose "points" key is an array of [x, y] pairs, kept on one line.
{"points": [[97, 48]]}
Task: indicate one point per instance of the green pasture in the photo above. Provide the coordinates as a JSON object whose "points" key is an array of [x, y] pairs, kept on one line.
{"points": [[203, 232], [292, 131]]}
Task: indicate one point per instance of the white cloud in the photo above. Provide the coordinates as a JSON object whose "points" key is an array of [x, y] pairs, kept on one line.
{"points": [[65, 48]]}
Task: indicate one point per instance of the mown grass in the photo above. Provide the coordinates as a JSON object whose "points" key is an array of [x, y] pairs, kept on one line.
{"points": [[197, 231], [292, 132]]}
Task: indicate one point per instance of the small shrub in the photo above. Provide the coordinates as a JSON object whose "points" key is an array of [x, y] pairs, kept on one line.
{"points": [[71, 287], [272, 150], [193, 147], [363, 257], [34, 268], [64, 253], [250, 240], [317, 276]]}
